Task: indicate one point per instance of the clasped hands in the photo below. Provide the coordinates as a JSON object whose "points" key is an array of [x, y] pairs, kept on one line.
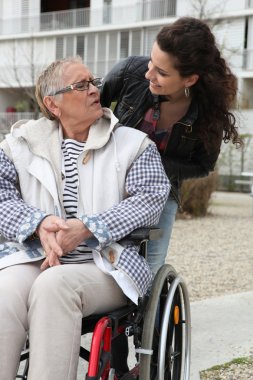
{"points": [[59, 236]]}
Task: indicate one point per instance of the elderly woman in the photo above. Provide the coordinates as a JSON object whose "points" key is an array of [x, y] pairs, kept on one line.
{"points": [[86, 183]]}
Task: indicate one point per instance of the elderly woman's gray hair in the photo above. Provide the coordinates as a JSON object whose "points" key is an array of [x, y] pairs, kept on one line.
{"points": [[51, 80]]}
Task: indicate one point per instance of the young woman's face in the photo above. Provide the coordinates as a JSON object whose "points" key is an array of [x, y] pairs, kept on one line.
{"points": [[163, 78]]}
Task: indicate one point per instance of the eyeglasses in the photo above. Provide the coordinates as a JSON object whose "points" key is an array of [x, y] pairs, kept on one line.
{"points": [[80, 86]]}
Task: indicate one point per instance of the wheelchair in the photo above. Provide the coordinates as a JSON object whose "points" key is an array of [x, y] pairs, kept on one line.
{"points": [[159, 325]]}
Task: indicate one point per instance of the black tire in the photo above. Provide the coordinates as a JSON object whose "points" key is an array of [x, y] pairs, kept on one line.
{"points": [[171, 331]]}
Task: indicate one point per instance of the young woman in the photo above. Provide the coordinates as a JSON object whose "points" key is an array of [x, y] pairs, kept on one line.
{"points": [[182, 96]]}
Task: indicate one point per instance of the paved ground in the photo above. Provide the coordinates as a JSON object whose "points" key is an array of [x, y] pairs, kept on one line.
{"points": [[221, 330]]}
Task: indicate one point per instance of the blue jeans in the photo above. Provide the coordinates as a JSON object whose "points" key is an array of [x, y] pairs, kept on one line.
{"points": [[158, 249]]}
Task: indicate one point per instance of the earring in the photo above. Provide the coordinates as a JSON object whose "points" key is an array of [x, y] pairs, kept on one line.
{"points": [[187, 92]]}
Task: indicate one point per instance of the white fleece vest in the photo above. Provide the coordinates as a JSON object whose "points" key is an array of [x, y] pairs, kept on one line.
{"points": [[102, 173]]}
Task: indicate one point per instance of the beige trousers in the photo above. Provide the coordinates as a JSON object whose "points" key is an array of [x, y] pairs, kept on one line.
{"points": [[50, 305]]}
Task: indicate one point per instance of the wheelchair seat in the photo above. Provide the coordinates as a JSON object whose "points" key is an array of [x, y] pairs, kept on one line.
{"points": [[160, 326]]}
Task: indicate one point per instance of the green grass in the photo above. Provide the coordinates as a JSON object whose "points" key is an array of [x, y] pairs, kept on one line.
{"points": [[226, 366]]}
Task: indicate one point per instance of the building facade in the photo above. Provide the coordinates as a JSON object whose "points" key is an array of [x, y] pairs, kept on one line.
{"points": [[33, 33]]}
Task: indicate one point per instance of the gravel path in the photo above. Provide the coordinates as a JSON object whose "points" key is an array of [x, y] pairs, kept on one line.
{"points": [[214, 254]]}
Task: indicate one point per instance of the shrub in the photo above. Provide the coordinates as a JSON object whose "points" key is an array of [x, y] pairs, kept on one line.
{"points": [[196, 194]]}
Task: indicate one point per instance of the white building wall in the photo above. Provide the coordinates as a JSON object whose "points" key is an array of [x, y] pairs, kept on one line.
{"points": [[15, 8], [246, 122], [230, 36], [232, 5], [211, 7], [21, 55], [11, 8], [233, 161]]}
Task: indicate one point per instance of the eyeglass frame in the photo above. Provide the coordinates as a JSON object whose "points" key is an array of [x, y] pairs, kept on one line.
{"points": [[73, 87]]}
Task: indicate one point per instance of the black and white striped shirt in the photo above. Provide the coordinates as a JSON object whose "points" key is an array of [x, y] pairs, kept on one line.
{"points": [[71, 149]]}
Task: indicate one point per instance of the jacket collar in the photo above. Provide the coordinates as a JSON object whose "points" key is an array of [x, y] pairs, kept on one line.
{"points": [[42, 133], [192, 114], [189, 118]]}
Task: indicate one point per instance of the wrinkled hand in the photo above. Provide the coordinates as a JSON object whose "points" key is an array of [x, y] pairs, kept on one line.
{"points": [[47, 233], [76, 233]]}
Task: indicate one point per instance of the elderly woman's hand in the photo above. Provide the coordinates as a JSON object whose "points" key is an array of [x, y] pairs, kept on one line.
{"points": [[47, 233], [76, 233]]}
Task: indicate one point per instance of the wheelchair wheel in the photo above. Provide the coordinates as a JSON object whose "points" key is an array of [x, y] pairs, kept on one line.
{"points": [[165, 351]]}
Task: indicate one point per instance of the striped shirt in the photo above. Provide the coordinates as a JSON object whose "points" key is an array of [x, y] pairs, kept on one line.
{"points": [[71, 149]]}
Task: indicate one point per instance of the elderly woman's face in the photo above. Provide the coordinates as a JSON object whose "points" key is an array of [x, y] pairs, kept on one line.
{"points": [[79, 106]]}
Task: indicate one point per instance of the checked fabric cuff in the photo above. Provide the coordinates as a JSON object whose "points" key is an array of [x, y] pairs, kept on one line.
{"points": [[29, 225], [102, 236]]}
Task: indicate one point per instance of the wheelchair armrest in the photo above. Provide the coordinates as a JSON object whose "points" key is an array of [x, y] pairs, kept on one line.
{"points": [[145, 233]]}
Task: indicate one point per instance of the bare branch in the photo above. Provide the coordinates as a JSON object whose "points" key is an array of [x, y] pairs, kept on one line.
{"points": [[23, 77]]}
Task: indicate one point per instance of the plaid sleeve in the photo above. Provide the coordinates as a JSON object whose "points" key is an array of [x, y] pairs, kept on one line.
{"points": [[148, 188], [15, 214]]}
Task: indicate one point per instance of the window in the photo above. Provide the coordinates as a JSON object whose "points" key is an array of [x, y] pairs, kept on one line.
{"points": [[65, 47], [136, 42], [124, 42], [107, 11], [25, 18], [80, 46], [69, 42], [90, 57], [59, 47], [101, 61]]}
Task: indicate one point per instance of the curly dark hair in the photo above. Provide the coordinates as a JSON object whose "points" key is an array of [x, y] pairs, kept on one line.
{"points": [[192, 45]]}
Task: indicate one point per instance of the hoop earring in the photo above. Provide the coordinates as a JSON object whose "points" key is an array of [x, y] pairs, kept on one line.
{"points": [[187, 92]]}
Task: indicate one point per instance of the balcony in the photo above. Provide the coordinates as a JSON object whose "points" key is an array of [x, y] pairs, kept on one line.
{"points": [[89, 17]]}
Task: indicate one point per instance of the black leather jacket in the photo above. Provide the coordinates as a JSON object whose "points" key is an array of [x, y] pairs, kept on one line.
{"points": [[185, 155]]}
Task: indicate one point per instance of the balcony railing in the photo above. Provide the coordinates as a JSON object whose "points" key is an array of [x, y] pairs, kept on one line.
{"points": [[89, 17]]}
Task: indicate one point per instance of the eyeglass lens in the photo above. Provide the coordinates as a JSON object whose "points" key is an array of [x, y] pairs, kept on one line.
{"points": [[84, 85]]}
